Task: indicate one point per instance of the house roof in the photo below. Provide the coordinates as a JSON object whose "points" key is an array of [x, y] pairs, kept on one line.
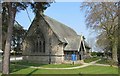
{"points": [[73, 43], [64, 33]]}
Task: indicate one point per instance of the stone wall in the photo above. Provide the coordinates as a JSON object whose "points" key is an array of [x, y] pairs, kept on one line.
{"points": [[44, 59], [53, 47]]}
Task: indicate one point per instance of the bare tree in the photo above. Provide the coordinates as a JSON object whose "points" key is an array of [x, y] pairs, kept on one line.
{"points": [[11, 8], [103, 17]]}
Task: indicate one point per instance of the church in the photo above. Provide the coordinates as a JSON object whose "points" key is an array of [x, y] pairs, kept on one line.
{"points": [[48, 41]]}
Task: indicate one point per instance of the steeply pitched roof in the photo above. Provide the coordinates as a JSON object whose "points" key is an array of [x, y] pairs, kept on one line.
{"points": [[61, 30], [64, 33], [73, 43]]}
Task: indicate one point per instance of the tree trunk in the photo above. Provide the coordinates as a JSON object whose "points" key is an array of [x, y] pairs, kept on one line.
{"points": [[0, 36], [118, 49], [0, 30], [114, 50], [6, 59]]}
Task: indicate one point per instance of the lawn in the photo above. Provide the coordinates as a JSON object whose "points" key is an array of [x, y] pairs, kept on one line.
{"points": [[88, 60], [60, 65], [45, 65], [87, 70]]}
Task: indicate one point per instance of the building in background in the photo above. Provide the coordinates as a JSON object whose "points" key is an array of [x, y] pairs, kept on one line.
{"points": [[49, 41]]}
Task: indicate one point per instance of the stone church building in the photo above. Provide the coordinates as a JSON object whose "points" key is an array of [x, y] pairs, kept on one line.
{"points": [[49, 41]]}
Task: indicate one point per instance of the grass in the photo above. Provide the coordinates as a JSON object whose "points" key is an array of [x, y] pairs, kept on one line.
{"points": [[21, 62], [93, 69], [87, 70], [45, 65], [88, 60], [60, 65]]}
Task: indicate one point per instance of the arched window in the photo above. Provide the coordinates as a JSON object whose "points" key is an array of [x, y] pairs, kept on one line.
{"points": [[39, 42]]}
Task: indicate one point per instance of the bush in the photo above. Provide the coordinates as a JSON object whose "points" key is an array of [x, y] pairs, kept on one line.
{"points": [[91, 59], [107, 61]]}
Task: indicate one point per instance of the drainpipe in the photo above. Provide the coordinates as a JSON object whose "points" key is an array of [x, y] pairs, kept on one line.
{"points": [[50, 48]]}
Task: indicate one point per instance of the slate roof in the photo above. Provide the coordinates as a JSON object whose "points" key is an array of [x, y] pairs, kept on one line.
{"points": [[61, 30], [64, 33], [73, 44]]}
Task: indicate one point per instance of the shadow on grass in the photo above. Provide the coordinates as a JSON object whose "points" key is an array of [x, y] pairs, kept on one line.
{"points": [[27, 63], [30, 74], [15, 68], [19, 65]]}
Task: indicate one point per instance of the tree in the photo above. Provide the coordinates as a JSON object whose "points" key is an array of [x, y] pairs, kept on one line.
{"points": [[18, 30], [17, 37], [0, 28], [118, 37], [10, 8], [4, 25], [103, 17], [39, 7]]}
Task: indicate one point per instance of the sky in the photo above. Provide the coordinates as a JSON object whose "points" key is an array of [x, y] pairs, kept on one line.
{"points": [[68, 13]]}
